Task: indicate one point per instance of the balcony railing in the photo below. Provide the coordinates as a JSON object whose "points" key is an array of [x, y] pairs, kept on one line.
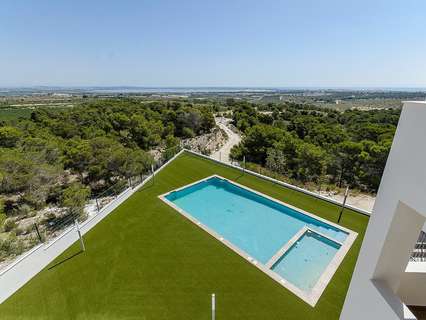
{"points": [[419, 252]]}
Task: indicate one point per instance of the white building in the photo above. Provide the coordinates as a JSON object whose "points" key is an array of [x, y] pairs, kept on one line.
{"points": [[385, 280]]}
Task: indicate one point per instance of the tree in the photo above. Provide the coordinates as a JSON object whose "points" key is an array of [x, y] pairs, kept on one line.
{"points": [[74, 198], [78, 156], [15, 170], [190, 118], [38, 187], [137, 162], [188, 133], [258, 140], [347, 161], [145, 133], [276, 161], [312, 161], [9, 136], [207, 121]]}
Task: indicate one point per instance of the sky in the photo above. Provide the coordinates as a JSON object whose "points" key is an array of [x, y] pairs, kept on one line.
{"points": [[262, 43]]}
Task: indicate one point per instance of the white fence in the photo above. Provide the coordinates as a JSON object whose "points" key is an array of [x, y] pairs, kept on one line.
{"points": [[32, 262]]}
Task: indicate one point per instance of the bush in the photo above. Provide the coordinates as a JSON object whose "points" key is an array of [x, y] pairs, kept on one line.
{"points": [[29, 228], [9, 225], [74, 197], [36, 198], [205, 151], [10, 247], [19, 231], [23, 210], [2, 218], [188, 133], [5, 245], [19, 247]]}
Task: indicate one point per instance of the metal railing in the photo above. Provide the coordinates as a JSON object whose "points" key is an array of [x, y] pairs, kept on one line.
{"points": [[53, 225], [419, 252], [52, 229]]}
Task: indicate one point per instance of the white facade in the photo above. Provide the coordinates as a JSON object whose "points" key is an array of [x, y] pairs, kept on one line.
{"points": [[383, 280]]}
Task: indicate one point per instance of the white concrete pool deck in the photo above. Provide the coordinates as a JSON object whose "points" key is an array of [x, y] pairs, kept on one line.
{"points": [[310, 297]]}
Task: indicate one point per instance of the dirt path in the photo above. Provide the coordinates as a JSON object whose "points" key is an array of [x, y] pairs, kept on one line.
{"points": [[233, 139]]}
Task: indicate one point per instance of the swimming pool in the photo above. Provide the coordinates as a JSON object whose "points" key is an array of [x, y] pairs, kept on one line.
{"points": [[297, 249]]}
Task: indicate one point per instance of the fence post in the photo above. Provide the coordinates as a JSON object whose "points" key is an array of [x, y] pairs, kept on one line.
{"points": [[83, 247], [213, 306], [244, 164], [97, 204], [343, 204], [38, 232], [152, 172], [129, 181]]}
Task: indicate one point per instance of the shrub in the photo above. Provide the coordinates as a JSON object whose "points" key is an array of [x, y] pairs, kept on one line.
{"points": [[5, 245], [19, 247], [9, 225], [205, 151], [29, 228], [188, 133], [2, 218], [23, 210], [74, 197], [19, 231]]}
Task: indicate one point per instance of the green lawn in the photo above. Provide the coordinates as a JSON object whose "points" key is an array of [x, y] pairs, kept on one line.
{"points": [[146, 261]]}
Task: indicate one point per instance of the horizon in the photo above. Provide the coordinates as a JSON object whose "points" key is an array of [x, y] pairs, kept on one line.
{"points": [[307, 88]]}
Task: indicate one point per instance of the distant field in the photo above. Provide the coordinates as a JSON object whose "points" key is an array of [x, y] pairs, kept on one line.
{"points": [[337, 103], [17, 112], [14, 113]]}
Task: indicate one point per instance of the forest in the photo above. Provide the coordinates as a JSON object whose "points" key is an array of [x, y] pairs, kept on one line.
{"points": [[60, 158], [311, 144]]}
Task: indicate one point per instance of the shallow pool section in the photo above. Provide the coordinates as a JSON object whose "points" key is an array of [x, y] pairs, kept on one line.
{"points": [[294, 247], [305, 261]]}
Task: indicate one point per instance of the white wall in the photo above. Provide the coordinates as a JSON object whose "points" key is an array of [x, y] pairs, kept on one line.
{"points": [[372, 292], [412, 289]]}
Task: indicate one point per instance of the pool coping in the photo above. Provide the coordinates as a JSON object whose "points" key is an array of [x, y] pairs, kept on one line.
{"points": [[310, 297]]}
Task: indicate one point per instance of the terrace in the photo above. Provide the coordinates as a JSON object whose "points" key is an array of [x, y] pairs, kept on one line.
{"points": [[145, 260]]}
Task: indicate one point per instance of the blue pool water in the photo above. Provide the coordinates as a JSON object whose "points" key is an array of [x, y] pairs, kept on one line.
{"points": [[304, 263], [253, 223]]}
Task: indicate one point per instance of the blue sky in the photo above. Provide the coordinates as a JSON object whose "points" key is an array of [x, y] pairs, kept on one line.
{"points": [[213, 43]]}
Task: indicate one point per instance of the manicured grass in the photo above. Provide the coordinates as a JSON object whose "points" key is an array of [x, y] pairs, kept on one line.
{"points": [[146, 261]]}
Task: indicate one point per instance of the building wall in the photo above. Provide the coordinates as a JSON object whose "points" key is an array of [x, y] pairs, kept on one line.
{"points": [[398, 215], [412, 289]]}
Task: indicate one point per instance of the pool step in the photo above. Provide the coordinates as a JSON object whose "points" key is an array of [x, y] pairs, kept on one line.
{"points": [[288, 245], [285, 247]]}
